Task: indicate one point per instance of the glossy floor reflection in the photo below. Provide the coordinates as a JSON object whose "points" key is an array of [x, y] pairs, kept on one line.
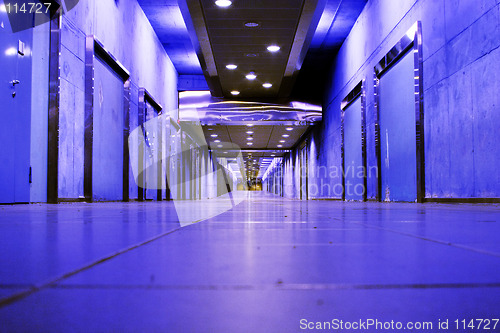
{"points": [[262, 266]]}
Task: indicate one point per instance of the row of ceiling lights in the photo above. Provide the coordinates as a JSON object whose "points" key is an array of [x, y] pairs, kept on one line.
{"points": [[263, 167], [265, 164], [271, 48], [250, 137]]}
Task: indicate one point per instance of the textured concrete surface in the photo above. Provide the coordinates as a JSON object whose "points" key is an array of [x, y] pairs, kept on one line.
{"points": [[124, 30], [261, 267], [461, 40]]}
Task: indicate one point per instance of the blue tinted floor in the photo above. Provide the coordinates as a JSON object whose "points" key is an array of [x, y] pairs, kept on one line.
{"points": [[267, 265]]}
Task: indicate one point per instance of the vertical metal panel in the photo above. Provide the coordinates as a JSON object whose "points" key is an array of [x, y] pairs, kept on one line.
{"points": [[353, 152], [384, 64], [359, 91], [145, 99], [54, 104], [168, 192], [397, 127], [302, 151], [363, 140], [181, 163], [378, 151], [159, 193], [109, 122], [199, 156], [342, 151], [141, 118], [419, 113], [92, 48], [89, 117], [192, 179], [126, 133]]}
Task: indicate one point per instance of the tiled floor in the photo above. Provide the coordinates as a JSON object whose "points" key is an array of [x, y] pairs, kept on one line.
{"points": [[262, 266]]}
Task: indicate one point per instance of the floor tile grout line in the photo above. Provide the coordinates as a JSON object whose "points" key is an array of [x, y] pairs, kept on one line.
{"points": [[51, 283], [38, 287], [438, 241]]}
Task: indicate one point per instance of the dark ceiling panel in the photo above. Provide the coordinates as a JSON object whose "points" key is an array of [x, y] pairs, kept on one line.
{"points": [[213, 15], [291, 139], [260, 4], [232, 42], [260, 136], [240, 32], [264, 137], [275, 24]]}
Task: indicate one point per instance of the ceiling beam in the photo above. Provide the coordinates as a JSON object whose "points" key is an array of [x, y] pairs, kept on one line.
{"points": [[312, 11], [195, 22]]}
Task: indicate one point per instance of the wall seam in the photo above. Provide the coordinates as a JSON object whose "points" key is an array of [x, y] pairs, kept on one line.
{"points": [[464, 67]]}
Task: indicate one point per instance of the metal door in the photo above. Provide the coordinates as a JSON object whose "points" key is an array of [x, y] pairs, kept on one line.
{"points": [[353, 153], [303, 174], [15, 112], [398, 132], [107, 164], [152, 153]]}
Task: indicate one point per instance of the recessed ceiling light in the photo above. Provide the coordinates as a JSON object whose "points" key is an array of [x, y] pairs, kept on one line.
{"points": [[235, 92], [250, 125], [249, 143], [217, 141], [214, 135], [251, 76], [220, 146], [267, 85], [273, 155], [223, 3], [249, 139], [251, 55], [289, 128], [231, 66], [249, 132], [279, 146], [285, 135], [273, 48], [252, 24], [282, 141]]}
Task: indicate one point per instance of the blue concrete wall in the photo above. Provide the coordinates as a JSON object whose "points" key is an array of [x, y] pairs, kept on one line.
{"points": [[461, 78], [124, 30]]}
